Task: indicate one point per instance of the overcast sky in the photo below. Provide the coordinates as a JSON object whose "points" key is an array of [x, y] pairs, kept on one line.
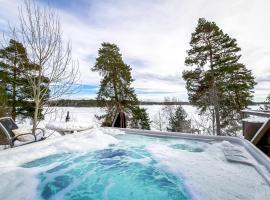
{"points": [[153, 36]]}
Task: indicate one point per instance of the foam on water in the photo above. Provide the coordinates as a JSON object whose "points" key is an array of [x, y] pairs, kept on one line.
{"points": [[107, 164], [105, 174], [210, 175]]}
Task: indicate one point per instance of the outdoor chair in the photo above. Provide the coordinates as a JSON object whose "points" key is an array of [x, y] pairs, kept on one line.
{"points": [[13, 133]]}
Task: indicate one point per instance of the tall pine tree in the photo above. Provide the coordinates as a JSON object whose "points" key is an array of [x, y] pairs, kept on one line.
{"points": [[115, 91], [218, 83], [13, 65], [12, 59]]}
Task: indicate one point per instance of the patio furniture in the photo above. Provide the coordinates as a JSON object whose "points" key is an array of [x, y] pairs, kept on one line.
{"points": [[14, 133]]}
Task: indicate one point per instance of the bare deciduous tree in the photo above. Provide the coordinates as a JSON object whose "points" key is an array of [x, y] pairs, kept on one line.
{"points": [[159, 121], [40, 33]]}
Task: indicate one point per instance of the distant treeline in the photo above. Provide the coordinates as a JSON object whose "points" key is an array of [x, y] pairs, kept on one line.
{"points": [[93, 103]]}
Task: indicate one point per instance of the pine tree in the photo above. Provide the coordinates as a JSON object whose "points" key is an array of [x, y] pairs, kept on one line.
{"points": [[218, 83], [13, 58], [178, 121], [140, 118], [3, 93], [13, 65], [115, 91]]}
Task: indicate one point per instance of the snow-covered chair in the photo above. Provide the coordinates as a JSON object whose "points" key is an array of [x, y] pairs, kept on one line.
{"points": [[14, 133]]}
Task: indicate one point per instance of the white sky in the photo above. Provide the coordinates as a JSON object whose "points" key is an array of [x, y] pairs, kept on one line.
{"points": [[153, 36]]}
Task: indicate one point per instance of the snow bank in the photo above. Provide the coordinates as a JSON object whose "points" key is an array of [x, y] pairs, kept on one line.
{"points": [[77, 114], [66, 126], [21, 182], [206, 171], [255, 119], [92, 139]]}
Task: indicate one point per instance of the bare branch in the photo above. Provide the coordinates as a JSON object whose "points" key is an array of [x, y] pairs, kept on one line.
{"points": [[40, 33]]}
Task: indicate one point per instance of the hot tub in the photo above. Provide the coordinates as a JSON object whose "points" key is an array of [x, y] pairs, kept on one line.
{"points": [[133, 164]]}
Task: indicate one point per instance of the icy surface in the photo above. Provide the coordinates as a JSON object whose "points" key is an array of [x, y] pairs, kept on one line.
{"points": [[81, 115], [87, 115], [108, 164]]}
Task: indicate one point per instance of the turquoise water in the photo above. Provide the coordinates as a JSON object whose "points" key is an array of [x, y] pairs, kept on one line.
{"points": [[122, 171]]}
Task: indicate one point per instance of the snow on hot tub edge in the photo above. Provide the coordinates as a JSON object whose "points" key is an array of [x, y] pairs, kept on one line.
{"points": [[93, 139]]}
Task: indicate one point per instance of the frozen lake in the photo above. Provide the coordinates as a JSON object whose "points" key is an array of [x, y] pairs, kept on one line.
{"points": [[87, 115]]}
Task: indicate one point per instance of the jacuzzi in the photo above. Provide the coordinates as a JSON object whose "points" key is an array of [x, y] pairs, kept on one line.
{"points": [[135, 164]]}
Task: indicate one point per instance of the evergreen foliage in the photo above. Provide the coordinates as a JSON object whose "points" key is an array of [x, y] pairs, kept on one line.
{"points": [[218, 83], [3, 100], [13, 66], [3, 93], [115, 91], [178, 121], [140, 118], [13, 58]]}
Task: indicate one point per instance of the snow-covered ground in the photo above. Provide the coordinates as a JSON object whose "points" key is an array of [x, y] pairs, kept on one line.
{"points": [[87, 115]]}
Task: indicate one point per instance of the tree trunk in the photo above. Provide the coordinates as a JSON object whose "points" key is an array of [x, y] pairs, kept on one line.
{"points": [[115, 90], [215, 95], [37, 98], [39, 29], [217, 120], [13, 111], [35, 118], [213, 121]]}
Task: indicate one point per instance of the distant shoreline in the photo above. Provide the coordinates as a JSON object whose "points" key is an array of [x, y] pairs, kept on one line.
{"points": [[93, 103]]}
